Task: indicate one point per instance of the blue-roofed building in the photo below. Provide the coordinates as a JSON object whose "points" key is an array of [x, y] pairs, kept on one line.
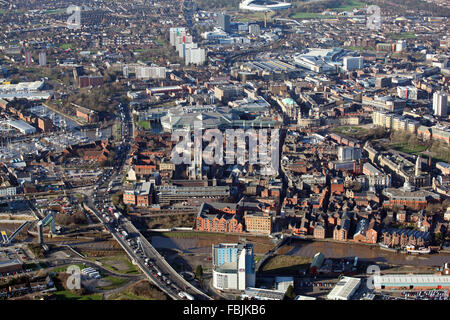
{"points": [[233, 266]]}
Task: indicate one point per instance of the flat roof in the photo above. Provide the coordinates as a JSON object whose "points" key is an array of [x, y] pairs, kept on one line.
{"points": [[344, 288], [409, 279], [263, 293], [21, 125]]}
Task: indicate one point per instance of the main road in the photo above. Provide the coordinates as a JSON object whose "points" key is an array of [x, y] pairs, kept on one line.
{"points": [[139, 249]]}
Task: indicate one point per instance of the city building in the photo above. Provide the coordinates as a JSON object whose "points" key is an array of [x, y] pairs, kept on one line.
{"points": [[258, 222], [218, 217], [195, 56], [353, 63], [233, 266], [223, 22], [349, 153], [440, 107], [22, 126], [42, 59], [140, 195], [262, 294], [344, 289], [411, 282], [87, 81]]}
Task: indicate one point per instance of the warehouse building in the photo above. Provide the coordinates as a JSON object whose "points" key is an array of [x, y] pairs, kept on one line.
{"points": [[262, 294], [344, 289], [22, 126], [10, 266], [411, 282]]}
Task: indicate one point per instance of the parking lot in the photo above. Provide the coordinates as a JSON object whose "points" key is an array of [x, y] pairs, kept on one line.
{"points": [[426, 295]]}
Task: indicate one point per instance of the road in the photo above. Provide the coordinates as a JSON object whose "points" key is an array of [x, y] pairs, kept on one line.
{"points": [[140, 251]]}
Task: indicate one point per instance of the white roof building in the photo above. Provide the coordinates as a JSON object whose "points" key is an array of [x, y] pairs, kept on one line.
{"points": [[411, 281], [344, 289]]}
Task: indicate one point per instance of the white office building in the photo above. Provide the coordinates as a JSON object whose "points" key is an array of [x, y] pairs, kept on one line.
{"points": [[195, 56], [182, 47], [146, 73], [353, 63], [254, 29], [175, 32], [348, 153], [233, 266], [43, 59], [440, 100]]}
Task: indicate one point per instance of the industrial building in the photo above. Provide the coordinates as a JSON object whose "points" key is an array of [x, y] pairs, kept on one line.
{"points": [[262, 294], [233, 266], [344, 289], [22, 126], [10, 266], [411, 282], [283, 283]]}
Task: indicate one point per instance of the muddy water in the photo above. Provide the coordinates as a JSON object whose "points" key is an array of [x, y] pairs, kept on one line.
{"points": [[368, 253], [309, 249]]}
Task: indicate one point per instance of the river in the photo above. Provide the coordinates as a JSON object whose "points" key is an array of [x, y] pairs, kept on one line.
{"points": [[309, 249]]}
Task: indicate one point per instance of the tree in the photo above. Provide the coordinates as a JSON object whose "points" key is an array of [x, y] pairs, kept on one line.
{"points": [[290, 292], [199, 272]]}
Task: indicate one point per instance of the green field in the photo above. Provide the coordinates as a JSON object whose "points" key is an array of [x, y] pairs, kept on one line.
{"points": [[56, 11], [127, 266], [115, 283], [352, 131], [129, 296], [286, 264], [64, 269], [68, 295], [402, 36], [66, 46], [349, 5], [407, 148], [144, 124], [311, 15]]}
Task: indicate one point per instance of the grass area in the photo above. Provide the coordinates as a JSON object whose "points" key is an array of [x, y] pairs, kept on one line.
{"points": [[107, 263], [115, 283], [286, 264], [129, 296], [259, 16], [310, 15], [56, 11], [402, 35], [352, 131], [118, 130], [141, 290], [66, 46], [144, 124], [64, 268], [348, 5], [68, 295], [407, 148]]}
